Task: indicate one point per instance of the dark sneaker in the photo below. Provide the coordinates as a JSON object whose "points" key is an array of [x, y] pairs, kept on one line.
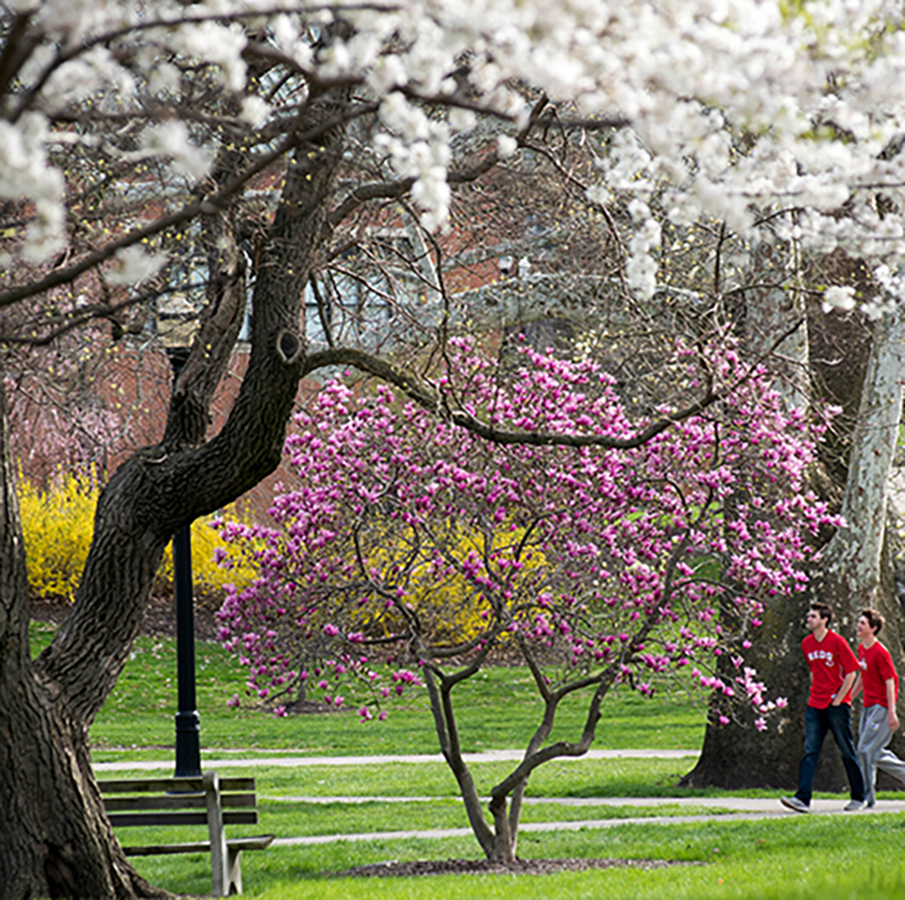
{"points": [[795, 804], [853, 806]]}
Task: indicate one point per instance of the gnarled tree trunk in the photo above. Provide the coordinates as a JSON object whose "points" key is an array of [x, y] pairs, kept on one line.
{"points": [[55, 840]]}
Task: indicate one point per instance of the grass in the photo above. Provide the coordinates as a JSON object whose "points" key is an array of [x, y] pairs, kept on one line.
{"points": [[818, 858], [799, 858], [498, 709]]}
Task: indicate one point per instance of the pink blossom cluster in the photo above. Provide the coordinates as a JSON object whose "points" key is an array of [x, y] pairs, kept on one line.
{"points": [[408, 539]]}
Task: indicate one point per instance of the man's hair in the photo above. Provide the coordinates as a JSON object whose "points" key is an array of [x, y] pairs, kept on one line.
{"points": [[824, 610], [874, 619]]}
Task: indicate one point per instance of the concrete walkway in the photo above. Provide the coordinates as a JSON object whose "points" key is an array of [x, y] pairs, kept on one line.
{"points": [[298, 761], [737, 808]]}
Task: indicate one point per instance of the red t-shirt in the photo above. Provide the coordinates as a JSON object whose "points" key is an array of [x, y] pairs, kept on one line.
{"points": [[876, 668], [829, 660]]}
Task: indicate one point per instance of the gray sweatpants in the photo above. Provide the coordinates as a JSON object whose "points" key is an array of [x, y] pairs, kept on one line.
{"points": [[874, 734]]}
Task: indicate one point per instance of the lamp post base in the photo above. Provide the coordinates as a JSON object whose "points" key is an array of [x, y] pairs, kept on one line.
{"points": [[188, 745]]}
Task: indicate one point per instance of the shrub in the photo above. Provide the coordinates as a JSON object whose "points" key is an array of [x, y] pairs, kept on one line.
{"points": [[58, 522]]}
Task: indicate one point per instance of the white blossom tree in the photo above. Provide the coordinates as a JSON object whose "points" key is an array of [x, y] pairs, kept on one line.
{"points": [[131, 130]]}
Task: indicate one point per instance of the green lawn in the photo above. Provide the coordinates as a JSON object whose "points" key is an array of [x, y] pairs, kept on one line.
{"points": [[498, 709], [794, 858], [801, 858]]}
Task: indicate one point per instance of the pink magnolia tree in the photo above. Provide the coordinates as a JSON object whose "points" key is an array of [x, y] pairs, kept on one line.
{"points": [[413, 553]]}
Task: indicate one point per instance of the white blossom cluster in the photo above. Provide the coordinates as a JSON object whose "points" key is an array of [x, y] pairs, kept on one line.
{"points": [[737, 109]]}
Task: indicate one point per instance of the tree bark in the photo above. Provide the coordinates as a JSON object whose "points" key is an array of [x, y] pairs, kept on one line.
{"points": [[55, 840], [853, 572]]}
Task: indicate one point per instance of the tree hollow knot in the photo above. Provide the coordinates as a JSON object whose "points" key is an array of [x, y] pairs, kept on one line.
{"points": [[289, 347]]}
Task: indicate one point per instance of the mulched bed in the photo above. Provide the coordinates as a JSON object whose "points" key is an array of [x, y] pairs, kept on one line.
{"points": [[396, 869], [160, 618]]}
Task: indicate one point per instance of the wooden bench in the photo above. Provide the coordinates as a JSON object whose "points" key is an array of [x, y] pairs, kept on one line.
{"points": [[208, 800]]}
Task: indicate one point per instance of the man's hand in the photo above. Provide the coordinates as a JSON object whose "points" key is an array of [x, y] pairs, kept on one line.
{"points": [[891, 704]]}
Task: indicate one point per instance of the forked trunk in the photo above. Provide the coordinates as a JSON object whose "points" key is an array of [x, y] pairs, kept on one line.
{"points": [[55, 840]]}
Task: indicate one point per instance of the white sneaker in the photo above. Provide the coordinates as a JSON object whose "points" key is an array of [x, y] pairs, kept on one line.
{"points": [[794, 804], [853, 806]]}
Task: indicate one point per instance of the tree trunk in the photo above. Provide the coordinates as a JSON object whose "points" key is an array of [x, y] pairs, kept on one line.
{"points": [[55, 840], [853, 574], [738, 755]]}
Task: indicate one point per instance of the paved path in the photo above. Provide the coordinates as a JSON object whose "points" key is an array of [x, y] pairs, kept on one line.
{"points": [[739, 808], [775, 812], [298, 761]]}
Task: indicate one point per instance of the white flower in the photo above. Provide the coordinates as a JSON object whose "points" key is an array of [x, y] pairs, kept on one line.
{"points": [[507, 146], [431, 192], [172, 139], [255, 111], [598, 193], [462, 119], [388, 74], [132, 266], [638, 210], [839, 297]]}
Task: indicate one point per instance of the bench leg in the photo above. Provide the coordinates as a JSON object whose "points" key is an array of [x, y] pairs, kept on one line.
{"points": [[234, 870]]}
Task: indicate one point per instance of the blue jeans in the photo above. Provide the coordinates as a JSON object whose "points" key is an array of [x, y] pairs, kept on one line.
{"points": [[817, 722]]}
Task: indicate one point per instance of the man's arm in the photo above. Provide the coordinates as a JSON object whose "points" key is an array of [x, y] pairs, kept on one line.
{"points": [[856, 687], [839, 696], [891, 704]]}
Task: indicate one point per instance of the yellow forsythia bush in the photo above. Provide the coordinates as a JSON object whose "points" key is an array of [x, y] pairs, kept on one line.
{"points": [[58, 524], [450, 606]]}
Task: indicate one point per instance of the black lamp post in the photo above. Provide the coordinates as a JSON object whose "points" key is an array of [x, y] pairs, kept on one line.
{"points": [[188, 722], [176, 337]]}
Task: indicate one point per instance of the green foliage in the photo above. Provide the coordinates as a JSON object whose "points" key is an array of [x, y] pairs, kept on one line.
{"points": [[58, 522], [498, 711]]}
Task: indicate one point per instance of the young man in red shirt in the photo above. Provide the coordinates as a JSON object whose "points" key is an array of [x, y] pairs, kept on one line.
{"points": [[833, 669], [879, 721]]}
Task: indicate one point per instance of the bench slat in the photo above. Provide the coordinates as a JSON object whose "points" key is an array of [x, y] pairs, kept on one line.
{"points": [[176, 801], [138, 819], [167, 849], [164, 801], [175, 785], [177, 817], [149, 785], [259, 842]]}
